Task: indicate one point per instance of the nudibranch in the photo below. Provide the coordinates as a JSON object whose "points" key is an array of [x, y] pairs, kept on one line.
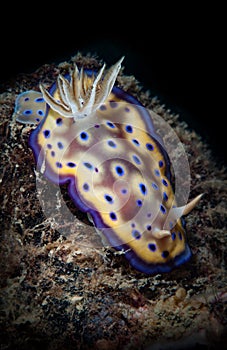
{"points": [[102, 142]]}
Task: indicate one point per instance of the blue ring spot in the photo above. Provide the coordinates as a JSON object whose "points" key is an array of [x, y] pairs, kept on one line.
{"points": [[111, 125], [136, 159], [113, 104], [40, 112], [139, 202], [60, 145], [108, 198], [39, 99], [165, 254], [152, 247], [59, 121], [88, 165], [27, 112], [71, 164], [119, 170], [112, 144], [150, 147], [161, 163], [58, 165], [155, 187], [46, 133], [162, 208], [143, 189], [157, 172], [136, 142], [129, 129], [170, 225], [84, 136], [86, 187], [173, 235], [165, 197], [165, 183], [136, 234], [113, 216]]}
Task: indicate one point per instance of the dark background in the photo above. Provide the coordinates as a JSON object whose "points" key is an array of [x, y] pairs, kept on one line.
{"points": [[178, 56]]}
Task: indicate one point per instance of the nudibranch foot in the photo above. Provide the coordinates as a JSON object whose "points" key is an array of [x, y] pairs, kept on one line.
{"points": [[102, 142]]}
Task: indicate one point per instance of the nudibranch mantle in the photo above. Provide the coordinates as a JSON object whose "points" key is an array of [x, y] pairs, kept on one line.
{"points": [[102, 142]]}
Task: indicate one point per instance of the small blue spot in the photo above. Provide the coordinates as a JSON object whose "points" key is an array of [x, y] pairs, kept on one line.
{"points": [[46, 133], [180, 235], [84, 136], [149, 227], [26, 99], [97, 126], [165, 197], [113, 216], [143, 189], [102, 108], [40, 112], [155, 187], [165, 183], [58, 165], [165, 254], [173, 235], [37, 119], [112, 144], [27, 112], [52, 153], [96, 170], [111, 125], [129, 129], [127, 109], [108, 198], [113, 104], [39, 99], [149, 146], [136, 142], [139, 202], [86, 187], [88, 165], [71, 164], [170, 225], [49, 146], [60, 145], [136, 234], [136, 159], [124, 191], [161, 163], [149, 215], [132, 224], [162, 208], [119, 170], [152, 247], [157, 172], [59, 121]]}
